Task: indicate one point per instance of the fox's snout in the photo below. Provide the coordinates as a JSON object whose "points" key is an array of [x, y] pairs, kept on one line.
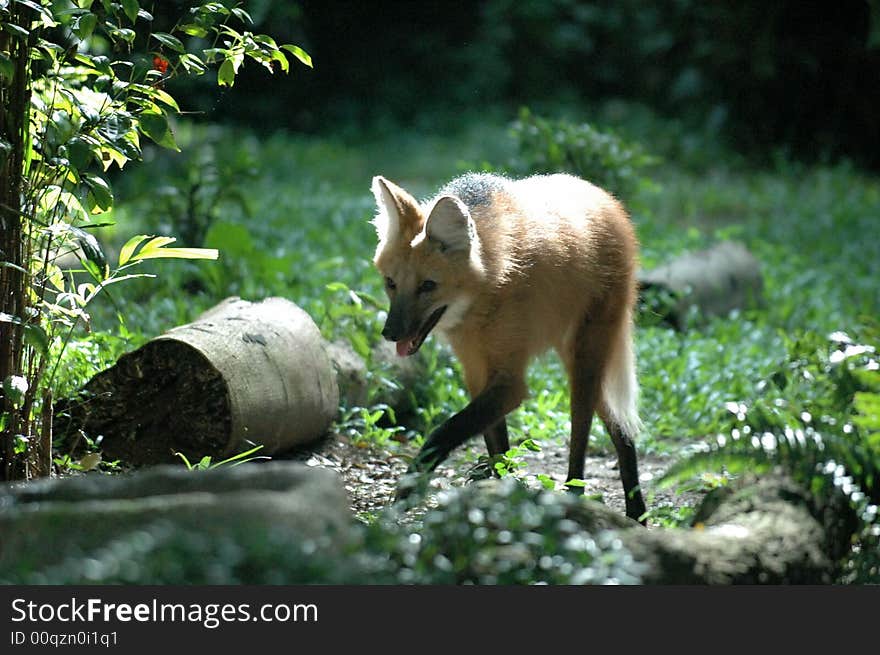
{"points": [[391, 332], [398, 325]]}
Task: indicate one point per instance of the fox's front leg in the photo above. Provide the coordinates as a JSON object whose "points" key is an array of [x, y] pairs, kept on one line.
{"points": [[501, 396]]}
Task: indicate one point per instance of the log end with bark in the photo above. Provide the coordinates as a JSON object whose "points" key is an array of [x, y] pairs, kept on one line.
{"points": [[243, 373]]}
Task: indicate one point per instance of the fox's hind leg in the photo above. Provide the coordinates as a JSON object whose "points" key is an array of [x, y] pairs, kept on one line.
{"points": [[587, 356], [627, 463], [583, 355]]}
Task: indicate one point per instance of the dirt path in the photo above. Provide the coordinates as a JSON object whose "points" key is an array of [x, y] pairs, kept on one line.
{"points": [[370, 473]]}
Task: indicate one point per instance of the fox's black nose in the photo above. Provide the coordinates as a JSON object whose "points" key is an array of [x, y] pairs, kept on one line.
{"points": [[395, 324], [390, 333]]}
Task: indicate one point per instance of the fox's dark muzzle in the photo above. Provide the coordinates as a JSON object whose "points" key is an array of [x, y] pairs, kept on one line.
{"points": [[396, 325], [390, 333]]}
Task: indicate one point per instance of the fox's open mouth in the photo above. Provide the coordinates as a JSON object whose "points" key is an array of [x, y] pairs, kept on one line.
{"points": [[407, 347]]}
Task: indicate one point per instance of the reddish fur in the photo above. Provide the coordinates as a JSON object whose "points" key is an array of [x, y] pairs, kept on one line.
{"points": [[558, 260]]}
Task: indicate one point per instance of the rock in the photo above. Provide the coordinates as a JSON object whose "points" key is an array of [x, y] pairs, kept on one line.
{"points": [[351, 374], [404, 372], [395, 375], [254, 523], [763, 531]]}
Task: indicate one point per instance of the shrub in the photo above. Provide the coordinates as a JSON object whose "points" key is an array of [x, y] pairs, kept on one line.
{"points": [[558, 146]]}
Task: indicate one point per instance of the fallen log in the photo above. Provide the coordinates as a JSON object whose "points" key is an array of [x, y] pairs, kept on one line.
{"points": [[714, 281], [242, 373], [768, 530]]}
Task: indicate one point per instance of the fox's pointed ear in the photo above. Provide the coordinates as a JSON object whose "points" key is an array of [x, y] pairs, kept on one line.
{"points": [[399, 213], [450, 225]]}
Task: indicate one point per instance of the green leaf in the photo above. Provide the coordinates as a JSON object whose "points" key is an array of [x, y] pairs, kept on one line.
{"points": [[165, 98], [278, 56], [98, 63], [79, 153], [241, 458], [226, 73], [84, 25], [158, 242], [299, 53], [192, 64], [130, 246], [178, 253], [90, 246], [243, 16], [360, 344], [35, 336], [169, 41], [16, 30], [14, 267], [131, 9], [124, 33], [232, 238], [546, 481], [155, 249], [100, 196], [194, 30], [155, 126], [46, 18], [121, 278]]}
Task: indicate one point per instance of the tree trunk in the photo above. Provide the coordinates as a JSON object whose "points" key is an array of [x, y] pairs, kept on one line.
{"points": [[241, 373], [14, 107]]}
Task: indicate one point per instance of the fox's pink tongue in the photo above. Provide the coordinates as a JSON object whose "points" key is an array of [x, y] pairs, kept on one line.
{"points": [[403, 347]]}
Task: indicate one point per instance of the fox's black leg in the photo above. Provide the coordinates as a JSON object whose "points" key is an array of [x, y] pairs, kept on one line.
{"points": [[585, 362], [497, 441], [628, 465]]}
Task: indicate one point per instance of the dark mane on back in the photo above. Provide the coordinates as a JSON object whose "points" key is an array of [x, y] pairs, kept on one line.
{"points": [[475, 189]]}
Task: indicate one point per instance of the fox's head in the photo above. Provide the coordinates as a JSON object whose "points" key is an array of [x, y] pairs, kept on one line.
{"points": [[431, 260]]}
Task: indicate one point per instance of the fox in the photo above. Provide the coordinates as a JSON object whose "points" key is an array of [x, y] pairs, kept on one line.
{"points": [[506, 269]]}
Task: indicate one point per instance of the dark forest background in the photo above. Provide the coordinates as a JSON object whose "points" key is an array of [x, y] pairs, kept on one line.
{"points": [[801, 76]]}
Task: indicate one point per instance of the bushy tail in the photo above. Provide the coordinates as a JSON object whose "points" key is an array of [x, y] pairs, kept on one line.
{"points": [[620, 387]]}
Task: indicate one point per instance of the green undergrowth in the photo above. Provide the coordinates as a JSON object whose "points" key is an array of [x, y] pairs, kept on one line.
{"points": [[290, 215]]}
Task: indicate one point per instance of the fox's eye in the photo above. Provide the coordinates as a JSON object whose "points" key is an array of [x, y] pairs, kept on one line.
{"points": [[427, 286], [389, 284]]}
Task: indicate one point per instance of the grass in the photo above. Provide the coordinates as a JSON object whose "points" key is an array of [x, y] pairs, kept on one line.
{"points": [[290, 216]]}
